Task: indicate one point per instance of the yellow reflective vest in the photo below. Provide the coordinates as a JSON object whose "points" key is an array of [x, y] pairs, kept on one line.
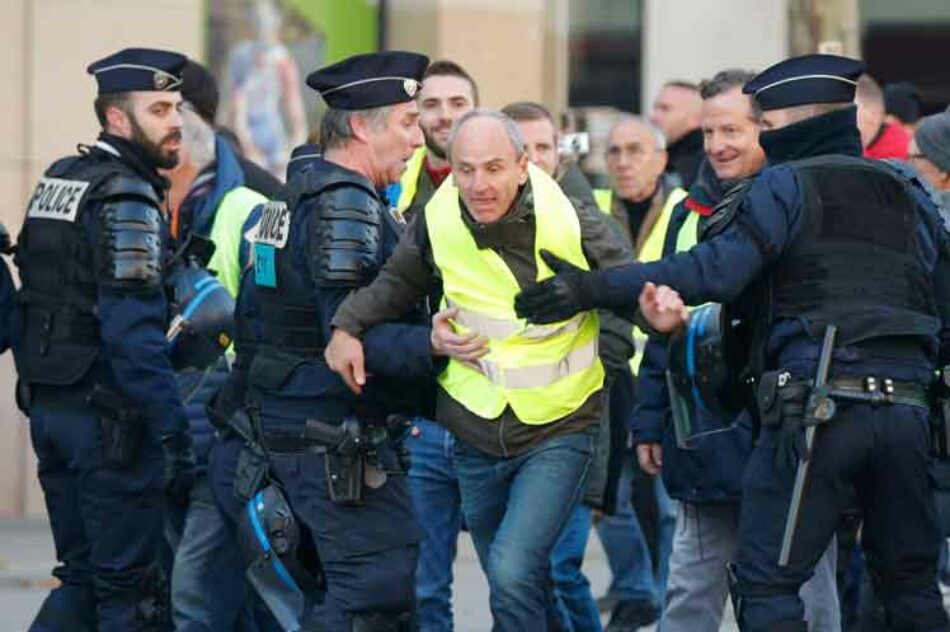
{"points": [[543, 372], [227, 232], [409, 181], [604, 199], [652, 250]]}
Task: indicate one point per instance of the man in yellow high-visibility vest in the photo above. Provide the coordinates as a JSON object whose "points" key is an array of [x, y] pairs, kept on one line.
{"points": [[575, 603], [524, 402]]}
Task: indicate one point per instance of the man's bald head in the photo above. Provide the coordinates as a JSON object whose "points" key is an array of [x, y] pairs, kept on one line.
{"points": [[489, 163], [677, 109]]}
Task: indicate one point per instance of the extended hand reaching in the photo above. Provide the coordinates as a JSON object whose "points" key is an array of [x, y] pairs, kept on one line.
{"points": [[557, 298]]}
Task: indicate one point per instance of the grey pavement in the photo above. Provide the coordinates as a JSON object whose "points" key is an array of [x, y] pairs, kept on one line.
{"points": [[27, 557]]}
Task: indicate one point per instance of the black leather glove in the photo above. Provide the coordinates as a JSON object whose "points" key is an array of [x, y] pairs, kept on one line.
{"points": [[179, 467], [558, 298]]}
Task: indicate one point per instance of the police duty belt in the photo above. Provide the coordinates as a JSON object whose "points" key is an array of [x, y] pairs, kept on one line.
{"points": [[863, 390]]}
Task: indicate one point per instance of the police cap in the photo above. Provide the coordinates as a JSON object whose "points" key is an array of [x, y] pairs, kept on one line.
{"points": [[806, 79], [371, 80], [134, 69]]}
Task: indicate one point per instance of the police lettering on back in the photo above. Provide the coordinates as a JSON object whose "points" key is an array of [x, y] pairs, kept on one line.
{"points": [[274, 227], [55, 198]]}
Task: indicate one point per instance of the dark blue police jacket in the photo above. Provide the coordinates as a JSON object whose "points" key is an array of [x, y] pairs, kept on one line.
{"points": [[134, 358], [710, 472], [722, 268]]}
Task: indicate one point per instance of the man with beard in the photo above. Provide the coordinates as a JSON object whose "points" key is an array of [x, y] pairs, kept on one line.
{"points": [[106, 420], [447, 92]]}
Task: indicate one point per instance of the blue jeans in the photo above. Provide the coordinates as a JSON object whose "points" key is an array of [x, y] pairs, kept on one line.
{"points": [[435, 494], [516, 508], [627, 553], [209, 591], [575, 604]]}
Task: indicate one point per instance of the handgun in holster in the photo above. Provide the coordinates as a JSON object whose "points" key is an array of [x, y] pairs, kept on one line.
{"points": [[121, 426], [940, 416], [345, 457]]}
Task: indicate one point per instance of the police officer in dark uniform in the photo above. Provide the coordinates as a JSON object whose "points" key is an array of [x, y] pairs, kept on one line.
{"points": [[106, 420], [821, 239], [329, 231], [237, 466]]}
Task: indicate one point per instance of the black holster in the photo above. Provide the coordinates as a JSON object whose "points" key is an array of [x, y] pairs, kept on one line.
{"points": [[122, 427], [345, 458]]}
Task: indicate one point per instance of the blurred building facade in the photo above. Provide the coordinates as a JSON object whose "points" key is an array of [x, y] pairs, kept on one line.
{"points": [[601, 54]]}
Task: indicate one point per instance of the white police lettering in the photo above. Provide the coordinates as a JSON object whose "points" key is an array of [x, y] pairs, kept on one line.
{"points": [[55, 198], [274, 227]]}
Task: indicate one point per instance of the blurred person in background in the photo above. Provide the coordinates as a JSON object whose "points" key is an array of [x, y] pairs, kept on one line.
{"points": [[638, 537], [881, 139], [207, 199], [676, 112], [903, 103], [447, 93]]}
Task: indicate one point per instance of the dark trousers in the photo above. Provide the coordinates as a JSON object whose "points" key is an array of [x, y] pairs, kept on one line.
{"points": [[879, 456], [107, 527], [368, 553]]}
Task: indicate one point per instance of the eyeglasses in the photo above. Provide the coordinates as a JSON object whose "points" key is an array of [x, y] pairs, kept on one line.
{"points": [[634, 152]]}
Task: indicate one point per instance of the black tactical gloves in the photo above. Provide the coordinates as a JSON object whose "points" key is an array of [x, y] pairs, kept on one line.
{"points": [[570, 291]]}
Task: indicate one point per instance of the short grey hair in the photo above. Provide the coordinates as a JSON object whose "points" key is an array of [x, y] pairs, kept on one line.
{"points": [[336, 127], [658, 136], [511, 128], [198, 137]]}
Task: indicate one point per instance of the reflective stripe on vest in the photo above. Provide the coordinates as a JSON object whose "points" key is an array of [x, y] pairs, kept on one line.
{"points": [[409, 181], [652, 250], [543, 372]]}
